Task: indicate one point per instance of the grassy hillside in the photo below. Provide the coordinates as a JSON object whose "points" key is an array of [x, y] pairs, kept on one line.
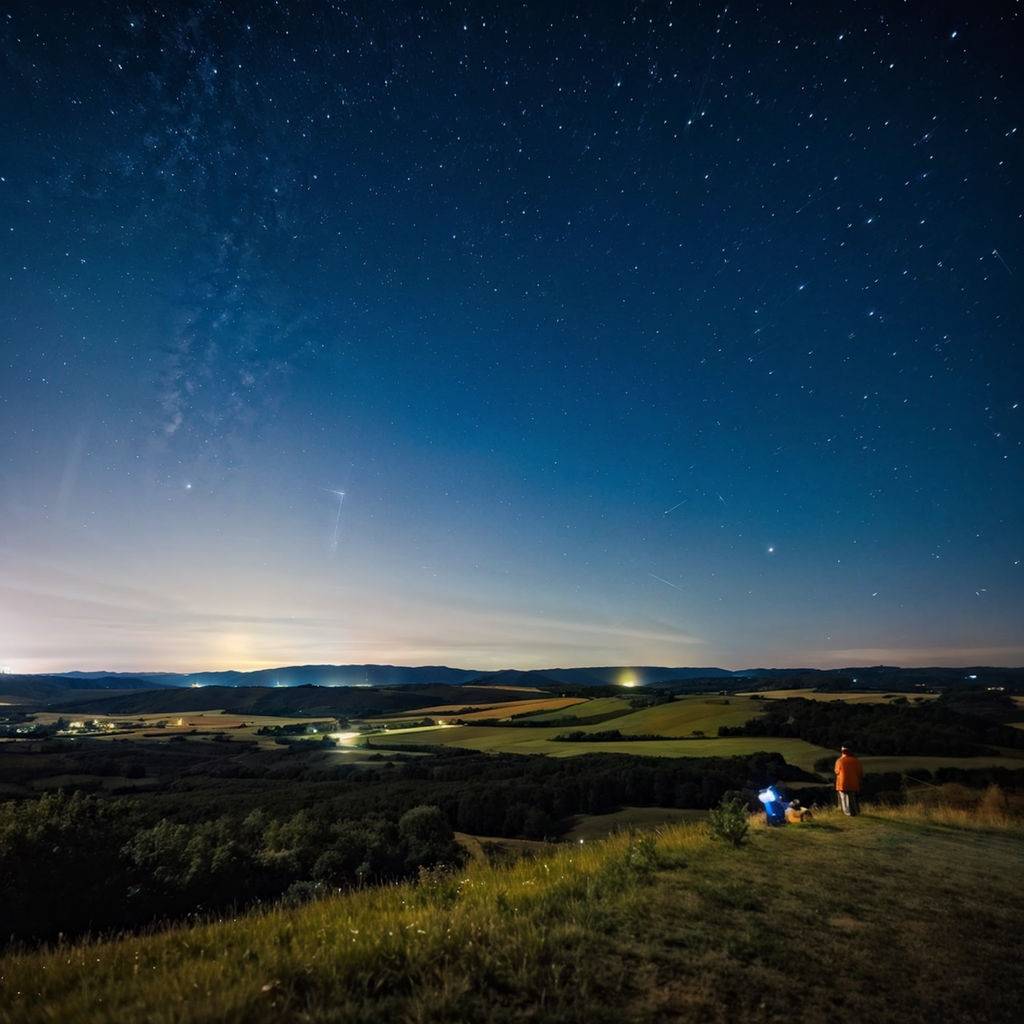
{"points": [[690, 714], [892, 916], [590, 709]]}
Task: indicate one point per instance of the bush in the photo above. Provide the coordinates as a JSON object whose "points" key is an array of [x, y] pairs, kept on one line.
{"points": [[428, 838], [642, 854], [303, 892], [993, 802], [729, 821]]}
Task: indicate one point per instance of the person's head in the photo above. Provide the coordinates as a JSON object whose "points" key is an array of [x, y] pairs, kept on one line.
{"points": [[795, 804], [845, 750]]}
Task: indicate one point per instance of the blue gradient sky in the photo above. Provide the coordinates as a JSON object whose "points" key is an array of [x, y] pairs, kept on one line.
{"points": [[519, 281]]}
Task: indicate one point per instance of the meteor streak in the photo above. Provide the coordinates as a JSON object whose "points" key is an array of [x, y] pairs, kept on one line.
{"points": [[340, 495], [666, 582], [999, 256]]}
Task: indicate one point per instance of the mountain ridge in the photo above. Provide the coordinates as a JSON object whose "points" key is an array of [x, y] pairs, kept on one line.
{"points": [[372, 674]]}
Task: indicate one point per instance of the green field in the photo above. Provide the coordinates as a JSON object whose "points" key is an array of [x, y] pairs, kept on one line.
{"points": [[597, 706], [891, 917], [680, 718], [540, 741], [687, 715]]}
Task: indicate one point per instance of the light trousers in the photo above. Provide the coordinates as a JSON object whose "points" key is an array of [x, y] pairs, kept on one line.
{"points": [[849, 803]]}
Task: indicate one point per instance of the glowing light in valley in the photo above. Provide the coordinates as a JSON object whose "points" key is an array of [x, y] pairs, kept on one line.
{"points": [[346, 738]]}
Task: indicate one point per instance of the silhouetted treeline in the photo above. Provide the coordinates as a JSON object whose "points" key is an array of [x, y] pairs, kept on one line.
{"points": [[302, 728], [533, 795], [932, 728], [611, 736]]}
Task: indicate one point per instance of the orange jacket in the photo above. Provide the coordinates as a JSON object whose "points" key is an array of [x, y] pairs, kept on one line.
{"points": [[849, 773]]}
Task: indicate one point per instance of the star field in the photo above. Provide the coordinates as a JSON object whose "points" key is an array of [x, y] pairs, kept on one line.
{"points": [[511, 334]]}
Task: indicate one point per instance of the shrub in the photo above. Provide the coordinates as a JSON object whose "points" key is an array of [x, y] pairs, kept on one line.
{"points": [[302, 892], [993, 802], [729, 821], [642, 854]]}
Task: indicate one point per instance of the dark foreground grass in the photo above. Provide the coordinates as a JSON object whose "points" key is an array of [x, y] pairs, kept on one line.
{"points": [[899, 916]]}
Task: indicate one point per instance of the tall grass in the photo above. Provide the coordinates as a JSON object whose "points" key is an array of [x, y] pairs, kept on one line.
{"points": [[960, 807], [562, 936], [496, 923]]}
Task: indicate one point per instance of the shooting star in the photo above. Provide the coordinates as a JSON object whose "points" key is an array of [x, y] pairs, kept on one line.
{"points": [[999, 256], [675, 506], [666, 582], [721, 499], [340, 495]]}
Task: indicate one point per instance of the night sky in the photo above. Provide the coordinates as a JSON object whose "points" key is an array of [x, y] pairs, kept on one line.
{"points": [[631, 333]]}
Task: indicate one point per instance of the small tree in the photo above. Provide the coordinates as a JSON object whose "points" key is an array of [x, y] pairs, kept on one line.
{"points": [[427, 837], [730, 821]]}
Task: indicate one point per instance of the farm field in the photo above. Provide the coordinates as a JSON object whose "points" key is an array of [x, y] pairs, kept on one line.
{"points": [[517, 740], [588, 709], [850, 697], [234, 726], [690, 725], [680, 718], [509, 709], [688, 715], [487, 709]]}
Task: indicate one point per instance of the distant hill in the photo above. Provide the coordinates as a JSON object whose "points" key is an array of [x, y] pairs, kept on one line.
{"points": [[17, 689], [304, 675], [517, 677], [682, 679], [168, 678], [285, 700], [642, 675]]}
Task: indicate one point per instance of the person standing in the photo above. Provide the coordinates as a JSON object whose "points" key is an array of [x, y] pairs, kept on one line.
{"points": [[849, 775]]}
